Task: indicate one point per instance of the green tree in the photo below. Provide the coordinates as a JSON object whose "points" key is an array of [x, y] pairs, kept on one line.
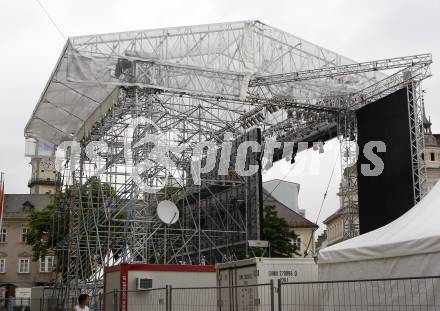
{"points": [[41, 235], [321, 238], [276, 230], [50, 226]]}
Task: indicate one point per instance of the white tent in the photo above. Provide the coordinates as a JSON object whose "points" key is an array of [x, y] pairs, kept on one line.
{"points": [[407, 247], [395, 256]]}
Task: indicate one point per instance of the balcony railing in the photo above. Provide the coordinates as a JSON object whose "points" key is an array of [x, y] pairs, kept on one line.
{"points": [[45, 182]]}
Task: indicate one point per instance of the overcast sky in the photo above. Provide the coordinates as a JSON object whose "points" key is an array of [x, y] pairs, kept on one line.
{"points": [[362, 30]]}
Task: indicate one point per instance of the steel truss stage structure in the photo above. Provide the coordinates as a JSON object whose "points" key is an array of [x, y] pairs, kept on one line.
{"points": [[244, 80]]}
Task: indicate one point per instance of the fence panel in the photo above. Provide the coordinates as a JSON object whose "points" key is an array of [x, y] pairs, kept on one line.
{"points": [[16, 304], [111, 301], [47, 304], [96, 303], [384, 294], [234, 298], [151, 300], [194, 299]]}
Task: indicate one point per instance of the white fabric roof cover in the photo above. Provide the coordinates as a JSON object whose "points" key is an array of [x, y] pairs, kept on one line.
{"points": [[415, 232], [228, 53]]}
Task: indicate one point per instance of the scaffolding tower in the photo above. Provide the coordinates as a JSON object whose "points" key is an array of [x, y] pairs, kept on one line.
{"points": [[221, 83]]}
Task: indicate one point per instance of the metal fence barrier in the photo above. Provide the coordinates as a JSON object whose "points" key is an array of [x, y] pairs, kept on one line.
{"points": [[232, 298], [153, 299], [48, 304], [398, 294], [16, 304]]}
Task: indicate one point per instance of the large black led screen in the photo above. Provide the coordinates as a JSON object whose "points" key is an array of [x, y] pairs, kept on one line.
{"points": [[384, 198]]}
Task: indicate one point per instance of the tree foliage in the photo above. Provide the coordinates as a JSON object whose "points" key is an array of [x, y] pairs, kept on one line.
{"points": [[50, 226], [41, 235], [276, 230], [321, 239]]}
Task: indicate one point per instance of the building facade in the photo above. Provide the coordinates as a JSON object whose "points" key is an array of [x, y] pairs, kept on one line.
{"points": [[432, 155], [44, 178], [284, 196], [335, 222], [335, 226], [17, 268]]}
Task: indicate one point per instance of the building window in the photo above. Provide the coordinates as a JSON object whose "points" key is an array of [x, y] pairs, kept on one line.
{"points": [[432, 156], [298, 243], [2, 265], [24, 231], [3, 235], [24, 265], [46, 264]]}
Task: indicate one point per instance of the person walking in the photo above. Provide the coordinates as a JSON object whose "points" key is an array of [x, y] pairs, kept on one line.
{"points": [[83, 303]]}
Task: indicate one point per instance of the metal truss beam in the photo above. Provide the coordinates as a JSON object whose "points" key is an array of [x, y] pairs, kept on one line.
{"points": [[417, 140], [335, 71]]}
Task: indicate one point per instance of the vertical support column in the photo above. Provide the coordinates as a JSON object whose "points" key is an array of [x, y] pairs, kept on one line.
{"points": [[170, 298], [246, 223], [347, 132], [100, 301], [280, 302], [272, 298], [417, 140], [82, 157], [219, 299], [167, 298], [115, 300]]}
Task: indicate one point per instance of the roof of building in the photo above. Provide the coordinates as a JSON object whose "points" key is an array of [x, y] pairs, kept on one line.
{"points": [[432, 139], [22, 203], [293, 218], [333, 216]]}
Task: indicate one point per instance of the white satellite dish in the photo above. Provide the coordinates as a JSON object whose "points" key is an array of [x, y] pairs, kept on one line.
{"points": [[167, 212]]}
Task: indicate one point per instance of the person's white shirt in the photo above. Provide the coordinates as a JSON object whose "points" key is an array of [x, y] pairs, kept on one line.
{"points": [[78, 308]]}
